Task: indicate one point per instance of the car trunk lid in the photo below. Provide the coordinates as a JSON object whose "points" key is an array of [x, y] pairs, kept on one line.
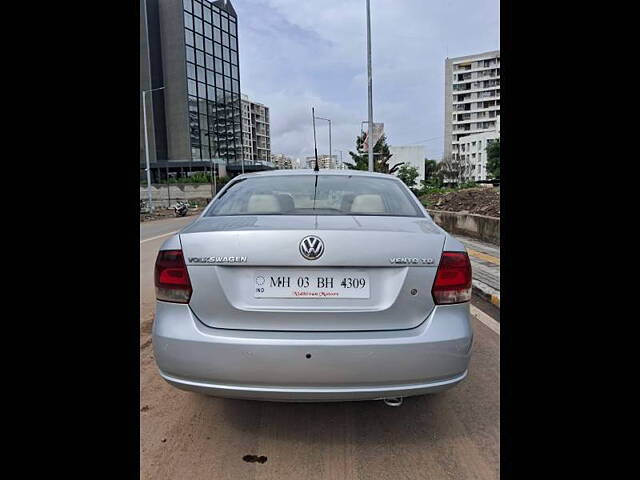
{"points": [[396, 255]]}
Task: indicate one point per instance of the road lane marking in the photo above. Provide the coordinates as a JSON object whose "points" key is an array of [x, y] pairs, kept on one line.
{"points": [[486, 319], [495, 299], [159, 236], [483, 256]]}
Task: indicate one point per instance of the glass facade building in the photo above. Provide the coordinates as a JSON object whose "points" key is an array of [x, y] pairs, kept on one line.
{"points": [[213, 82], [190, 70]]}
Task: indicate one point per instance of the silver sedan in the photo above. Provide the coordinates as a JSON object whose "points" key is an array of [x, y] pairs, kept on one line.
{"points": [[296, 285]]}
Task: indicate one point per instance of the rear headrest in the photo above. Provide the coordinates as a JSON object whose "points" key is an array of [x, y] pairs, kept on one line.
{"points": [[263, 203], [286, 202], [347, 201], [367, 203]]}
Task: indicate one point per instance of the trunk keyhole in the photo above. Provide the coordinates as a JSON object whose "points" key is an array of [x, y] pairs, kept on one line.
{"points": [[308, 355]]}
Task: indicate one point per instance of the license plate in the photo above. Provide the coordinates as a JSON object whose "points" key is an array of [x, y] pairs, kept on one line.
{"points": [[310, 284]]}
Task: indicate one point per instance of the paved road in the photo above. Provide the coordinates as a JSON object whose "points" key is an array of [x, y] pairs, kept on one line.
{"points": [[160, 227], [485, 264], [452, 435]]}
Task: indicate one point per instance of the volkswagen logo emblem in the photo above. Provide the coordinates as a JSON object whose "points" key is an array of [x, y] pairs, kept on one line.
{"points": [[311, 247]]}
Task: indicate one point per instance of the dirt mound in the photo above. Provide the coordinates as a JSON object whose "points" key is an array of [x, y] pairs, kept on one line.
{"points": [[481, 201]]}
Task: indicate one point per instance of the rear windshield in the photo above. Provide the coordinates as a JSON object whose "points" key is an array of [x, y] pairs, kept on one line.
{"points": [[299, 195]]}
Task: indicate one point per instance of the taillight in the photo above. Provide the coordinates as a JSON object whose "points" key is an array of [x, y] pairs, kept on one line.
{"points": [[172, 278], [453, 279]]}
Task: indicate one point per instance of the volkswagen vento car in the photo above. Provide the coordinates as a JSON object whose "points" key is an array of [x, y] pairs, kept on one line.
{"points": [[297, 285]]}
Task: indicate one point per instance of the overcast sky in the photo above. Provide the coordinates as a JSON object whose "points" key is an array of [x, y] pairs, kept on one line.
{"points": [[298, 54]]}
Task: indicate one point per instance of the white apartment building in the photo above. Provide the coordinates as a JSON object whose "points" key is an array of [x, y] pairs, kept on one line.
{"points": [[472, 108], [411, 155], [323, 161], [256, 133], [472, 154], [282, 161]]}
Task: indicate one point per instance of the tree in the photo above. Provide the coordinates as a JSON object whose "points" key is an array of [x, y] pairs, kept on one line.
{"points": [[447, 171], [429, 169], [381, 156], [493, 159], [430, 175], [408, 174]]}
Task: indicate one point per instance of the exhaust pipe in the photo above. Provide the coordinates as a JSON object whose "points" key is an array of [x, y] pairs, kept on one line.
{"points": [[393, 401]]}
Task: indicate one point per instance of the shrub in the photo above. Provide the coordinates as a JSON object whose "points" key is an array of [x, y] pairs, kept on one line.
{"points": [[408, 174]]}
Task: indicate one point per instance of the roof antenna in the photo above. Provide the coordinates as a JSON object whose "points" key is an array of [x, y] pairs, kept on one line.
{"points": [[315, 145]]}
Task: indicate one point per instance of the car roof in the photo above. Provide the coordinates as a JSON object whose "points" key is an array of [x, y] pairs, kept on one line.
{"points": [[309, 171]]}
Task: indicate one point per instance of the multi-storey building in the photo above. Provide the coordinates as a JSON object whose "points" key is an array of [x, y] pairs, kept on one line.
{"points": [[324, 161], [472, 156], [256, 133], [472, 106], [282, 161], [189, 52]]}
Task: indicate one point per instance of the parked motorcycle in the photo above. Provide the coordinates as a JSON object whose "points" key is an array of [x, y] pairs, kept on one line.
{"points": [[181, 208]]}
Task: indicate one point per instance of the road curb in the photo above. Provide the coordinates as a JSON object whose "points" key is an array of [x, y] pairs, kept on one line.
{"points": [[486, 293]]}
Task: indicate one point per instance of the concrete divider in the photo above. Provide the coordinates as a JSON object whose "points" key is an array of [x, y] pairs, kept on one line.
{"points": [[471, 225], [176, 191]]}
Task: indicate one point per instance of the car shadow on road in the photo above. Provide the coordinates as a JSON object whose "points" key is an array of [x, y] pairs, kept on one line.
{"points": [[419, 420]]}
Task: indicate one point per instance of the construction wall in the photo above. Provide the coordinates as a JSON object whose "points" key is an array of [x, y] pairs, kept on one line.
{"points": [[481, 227], [186, 191]]}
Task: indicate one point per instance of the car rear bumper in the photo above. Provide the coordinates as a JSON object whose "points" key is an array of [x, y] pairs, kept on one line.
{"points": [[312, 366], [311, 394]]}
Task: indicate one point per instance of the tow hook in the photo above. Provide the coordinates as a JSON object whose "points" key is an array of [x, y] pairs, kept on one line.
{"points": [[393, 401]]}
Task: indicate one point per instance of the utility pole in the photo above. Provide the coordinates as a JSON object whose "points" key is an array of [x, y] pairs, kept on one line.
{"points": [[370, 134], [146, 143]]}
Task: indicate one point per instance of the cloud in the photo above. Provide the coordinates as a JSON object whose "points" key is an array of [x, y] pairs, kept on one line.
{"points": [[297, 54]]}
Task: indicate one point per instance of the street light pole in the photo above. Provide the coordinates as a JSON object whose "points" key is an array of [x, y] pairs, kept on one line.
{"points": [[326, 119], [212, 181], [370, 134], [168, 188], [330, 156], [213, 172], [146, 143]]}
